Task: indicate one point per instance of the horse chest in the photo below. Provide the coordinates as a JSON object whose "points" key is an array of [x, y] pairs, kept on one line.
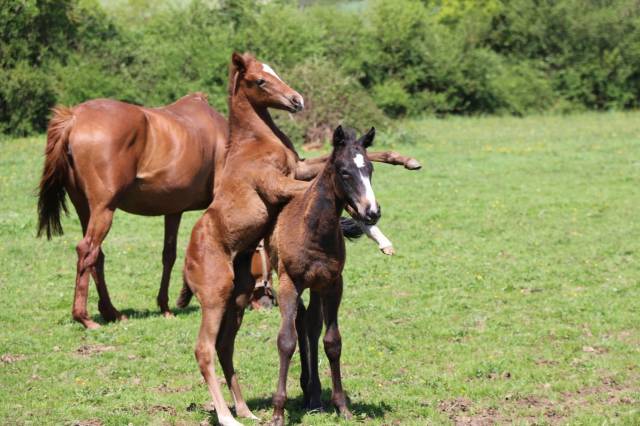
{"points": [[319, 273]]}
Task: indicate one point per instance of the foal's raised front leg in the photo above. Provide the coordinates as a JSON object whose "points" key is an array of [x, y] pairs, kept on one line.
{"points": [[171, 227], [333, 346], [288, 299], [394, 158]]}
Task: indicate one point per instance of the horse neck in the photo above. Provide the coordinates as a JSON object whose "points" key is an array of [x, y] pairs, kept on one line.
{"points": [[247, 121], [323, 205]]}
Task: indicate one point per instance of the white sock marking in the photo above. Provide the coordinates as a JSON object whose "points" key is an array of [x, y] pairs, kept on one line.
{"points": [[376, 235], [266, 68]]}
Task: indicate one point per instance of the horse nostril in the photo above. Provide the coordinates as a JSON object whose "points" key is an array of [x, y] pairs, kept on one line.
{"points": [[297, 102]]}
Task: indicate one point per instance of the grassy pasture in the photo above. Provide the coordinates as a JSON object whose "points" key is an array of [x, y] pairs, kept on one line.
{"points": [[514, 296]]}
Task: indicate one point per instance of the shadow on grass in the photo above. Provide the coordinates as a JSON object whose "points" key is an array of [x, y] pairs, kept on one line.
{"points": [[295, 409], [133, 314]]}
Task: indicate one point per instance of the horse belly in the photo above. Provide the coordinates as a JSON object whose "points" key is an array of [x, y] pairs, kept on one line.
{"points": [[161, 199]]}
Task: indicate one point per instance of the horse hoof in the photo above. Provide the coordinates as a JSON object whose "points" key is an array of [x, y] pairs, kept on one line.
{"points": [[413, 164], [228, 421], [168, 314], [247, 414], [113, 316], [345, 413], [389, 251], [277, 421], [91, 325]]}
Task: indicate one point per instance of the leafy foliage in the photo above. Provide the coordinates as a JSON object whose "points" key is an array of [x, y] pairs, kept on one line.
{"points": [[404, 57]]}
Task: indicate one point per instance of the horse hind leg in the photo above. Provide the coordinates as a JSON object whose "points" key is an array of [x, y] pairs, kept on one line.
{"points": [[91, 262], [225, 343], [171, 227], [333, 347], [210, 274], [288, 299]]}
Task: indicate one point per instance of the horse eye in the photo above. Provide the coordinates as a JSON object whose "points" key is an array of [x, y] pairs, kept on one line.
{"points": [[260, 82]]}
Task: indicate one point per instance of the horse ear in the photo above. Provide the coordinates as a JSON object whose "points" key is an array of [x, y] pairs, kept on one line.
{"points": [[338, 136], [238, 62], [367, 140]]}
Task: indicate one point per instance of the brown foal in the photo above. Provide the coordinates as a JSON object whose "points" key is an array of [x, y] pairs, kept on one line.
{"points": [[258, 178], [307, 249], [149, 161]]}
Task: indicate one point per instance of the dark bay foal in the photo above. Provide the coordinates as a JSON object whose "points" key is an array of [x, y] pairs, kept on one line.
{"points": [[307, 249]]}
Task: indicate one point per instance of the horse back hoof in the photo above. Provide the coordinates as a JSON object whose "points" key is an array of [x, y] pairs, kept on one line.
{"points": [[168, 314], [90, 325], [345, 413], [277, 421]]}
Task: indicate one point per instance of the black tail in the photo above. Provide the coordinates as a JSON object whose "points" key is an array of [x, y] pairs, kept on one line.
{"points": [[51, 200], [185, 296], [350, 228]]}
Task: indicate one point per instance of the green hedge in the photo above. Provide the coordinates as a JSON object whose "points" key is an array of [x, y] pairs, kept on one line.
{"points": [[354, 61]]}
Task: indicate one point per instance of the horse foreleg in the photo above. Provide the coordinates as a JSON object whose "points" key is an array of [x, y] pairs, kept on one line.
{"points": [[288, 299], [333, 346], [394, 158], [277, 188], [373, 232], [313, 320], [307, 170], [88, 250], [171, 227]]}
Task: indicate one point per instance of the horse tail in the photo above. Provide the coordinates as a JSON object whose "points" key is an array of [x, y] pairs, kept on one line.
{"points": [[185, 296], [350, 228], [51, 199]]}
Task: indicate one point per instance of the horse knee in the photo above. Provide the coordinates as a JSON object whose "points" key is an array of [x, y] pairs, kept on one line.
{"points": [[204, 356], [287, 343], [332, 345]]}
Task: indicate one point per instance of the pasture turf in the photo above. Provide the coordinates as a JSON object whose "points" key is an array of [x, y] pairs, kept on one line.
{"points": [[514, 296]]}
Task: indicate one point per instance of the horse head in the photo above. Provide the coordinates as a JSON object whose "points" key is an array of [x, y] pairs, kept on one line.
{"points": [[353, 172], [261, 85]]}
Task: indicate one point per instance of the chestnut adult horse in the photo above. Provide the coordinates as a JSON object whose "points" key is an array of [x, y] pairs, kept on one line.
{"points": [[148, 161], [307, 249]]}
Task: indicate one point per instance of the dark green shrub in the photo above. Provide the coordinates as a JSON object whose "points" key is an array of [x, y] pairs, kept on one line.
{"points": [[331, 98], [26, 96]]}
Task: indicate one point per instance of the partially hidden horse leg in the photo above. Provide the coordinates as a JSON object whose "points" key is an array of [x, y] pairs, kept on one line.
{"points": [[171, 227], [225, 344], [313, 324], [333, 346], [303, 349], [288, 299], [394, 158], [91, 262]]}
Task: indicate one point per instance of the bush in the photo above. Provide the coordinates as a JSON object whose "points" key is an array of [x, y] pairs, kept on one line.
{"points": [[331, 98], [26, 96]]}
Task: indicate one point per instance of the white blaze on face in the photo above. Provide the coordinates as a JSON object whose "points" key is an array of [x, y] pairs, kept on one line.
{"points": [[266, 68], [371, 197]]}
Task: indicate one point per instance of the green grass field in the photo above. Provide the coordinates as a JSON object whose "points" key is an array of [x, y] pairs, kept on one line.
{"points": [[514, 296]]}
